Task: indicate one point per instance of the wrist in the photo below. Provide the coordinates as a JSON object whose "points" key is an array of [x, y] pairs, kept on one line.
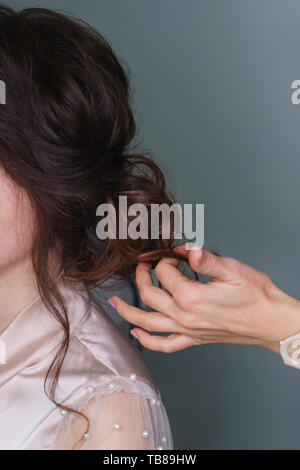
{"points": [[284, 318]]}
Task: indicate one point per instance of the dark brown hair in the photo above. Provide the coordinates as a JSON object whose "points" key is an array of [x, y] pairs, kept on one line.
{"points": [[65, 136]]}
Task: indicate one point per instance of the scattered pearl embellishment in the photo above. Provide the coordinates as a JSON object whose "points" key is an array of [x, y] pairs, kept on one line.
{"points": [[158, 402], [111, 385], [153, 401], [117, 426], [145, 434], [64, 412], [91, 389], [160, 448], [132, 377], [86, 435], [164, 439]]}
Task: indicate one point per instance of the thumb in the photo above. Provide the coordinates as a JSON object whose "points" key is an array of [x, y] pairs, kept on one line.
{"points": [[204, 262]]}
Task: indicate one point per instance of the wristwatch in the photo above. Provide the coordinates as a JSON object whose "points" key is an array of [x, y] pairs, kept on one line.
{"points": [[290, 351]]}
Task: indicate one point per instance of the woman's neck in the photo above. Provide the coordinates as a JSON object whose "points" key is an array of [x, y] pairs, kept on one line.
{"points": [[17, 290]]}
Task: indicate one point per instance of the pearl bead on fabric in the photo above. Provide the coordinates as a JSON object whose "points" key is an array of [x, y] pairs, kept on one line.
{"points": [[117, 425]]}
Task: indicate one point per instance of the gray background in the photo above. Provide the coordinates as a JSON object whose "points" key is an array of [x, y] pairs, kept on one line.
{"points": [[211, 88]]}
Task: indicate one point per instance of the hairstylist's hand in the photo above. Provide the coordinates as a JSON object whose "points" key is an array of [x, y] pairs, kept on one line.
{"points": [[239, 305]]}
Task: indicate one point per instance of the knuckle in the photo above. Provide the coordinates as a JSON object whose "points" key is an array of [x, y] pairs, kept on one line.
{"points": [[185, 319], [232, 264], [167, 348], [180, 301], [147, 324], [265, 278], [186, 299], [210, 261], [159, 268], [145, 295]]}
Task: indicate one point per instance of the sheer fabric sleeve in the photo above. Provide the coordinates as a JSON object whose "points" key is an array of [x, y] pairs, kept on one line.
{"points": [[122, 417]]}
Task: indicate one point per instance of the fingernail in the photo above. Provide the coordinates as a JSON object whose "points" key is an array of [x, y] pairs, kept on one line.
{"points": [[192, 246], [145, 266], [134, 333], [112, 302]]}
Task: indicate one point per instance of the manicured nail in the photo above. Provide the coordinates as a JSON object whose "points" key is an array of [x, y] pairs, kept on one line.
{"points": [[112, 302], [134, 333]]}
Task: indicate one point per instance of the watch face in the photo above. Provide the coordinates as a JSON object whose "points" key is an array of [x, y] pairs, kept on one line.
{"points": [[290, 351]]}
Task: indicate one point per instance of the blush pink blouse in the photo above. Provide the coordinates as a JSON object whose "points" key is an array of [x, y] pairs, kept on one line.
{"points": [[103, 376]]}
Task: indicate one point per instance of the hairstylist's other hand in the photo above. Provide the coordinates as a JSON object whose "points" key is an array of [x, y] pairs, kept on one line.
{"points": [[239, 305]]}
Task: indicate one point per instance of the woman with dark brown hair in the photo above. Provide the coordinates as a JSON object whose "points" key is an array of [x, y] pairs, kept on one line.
{"points": [[70, 379]]}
